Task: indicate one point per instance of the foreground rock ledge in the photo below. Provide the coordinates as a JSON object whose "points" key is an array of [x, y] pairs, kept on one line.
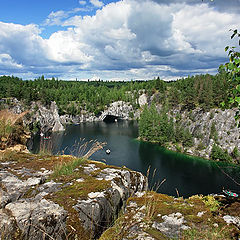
{"points": [[35, 204], [156, 216]]}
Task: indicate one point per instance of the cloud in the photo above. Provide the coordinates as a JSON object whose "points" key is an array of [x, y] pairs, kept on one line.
{"points": [[23, 44], [6, 62], [82, 2], [96, 3], [128, 39], [55, 18]]}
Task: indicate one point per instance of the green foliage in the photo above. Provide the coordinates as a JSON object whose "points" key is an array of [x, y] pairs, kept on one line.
{"points": [[67, 168], [219, 154], [155, 127], [211, 202], [232, 68], [158, 127], [211, 115], [214, 233], [11, 132], [213, 132], [178, 148], [201, 146], [35, 127], [75, 97], [183, 135], [6, 129], [131, 115], [235, 153]]}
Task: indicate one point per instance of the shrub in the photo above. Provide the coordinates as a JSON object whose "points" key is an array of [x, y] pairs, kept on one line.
{"points": [[235, 153], [201, 146], [211, 115], [220, 154], [211, 202], [213, 132]]}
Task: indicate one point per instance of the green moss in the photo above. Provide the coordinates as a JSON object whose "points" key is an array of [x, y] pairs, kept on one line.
{"points": [[158, 205], [80, 190], [156, 234], [214, 233]]}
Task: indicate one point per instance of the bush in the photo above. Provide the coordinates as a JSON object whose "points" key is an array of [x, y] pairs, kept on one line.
{"points": [[220, 154], [213, 132], [201, 146], [235, 153], [187, 138]]}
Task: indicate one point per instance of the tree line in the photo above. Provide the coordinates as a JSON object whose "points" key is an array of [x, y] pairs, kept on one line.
{"points": [[72, 97]]}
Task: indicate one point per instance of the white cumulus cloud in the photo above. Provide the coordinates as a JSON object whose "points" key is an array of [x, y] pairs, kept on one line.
{"points": [[128, 39], [96, 3]]}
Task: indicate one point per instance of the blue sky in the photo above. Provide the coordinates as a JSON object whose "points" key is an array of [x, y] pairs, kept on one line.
{"points": [[115, 40]]}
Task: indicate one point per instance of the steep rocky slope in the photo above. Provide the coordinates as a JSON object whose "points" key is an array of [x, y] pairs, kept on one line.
{"points": [[48, 119], [208, 128]]}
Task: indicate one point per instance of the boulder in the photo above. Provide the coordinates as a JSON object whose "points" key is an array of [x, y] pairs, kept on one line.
{"points": [[142, 100], [39, 219]]}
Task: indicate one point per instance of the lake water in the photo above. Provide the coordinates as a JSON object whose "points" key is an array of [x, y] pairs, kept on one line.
{"points": [[185, 174]]}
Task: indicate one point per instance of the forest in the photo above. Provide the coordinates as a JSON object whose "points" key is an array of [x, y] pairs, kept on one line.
{"points": [[155, 124], [73, 97]]}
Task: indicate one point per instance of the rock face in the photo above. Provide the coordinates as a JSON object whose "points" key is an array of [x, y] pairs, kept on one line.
{"points": [[35, 205], [209, 128], [48, 119], [143, 100], [119, 109]]}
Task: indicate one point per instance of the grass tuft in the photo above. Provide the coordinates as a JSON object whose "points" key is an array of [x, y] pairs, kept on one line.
{"points": [[67, 168]]}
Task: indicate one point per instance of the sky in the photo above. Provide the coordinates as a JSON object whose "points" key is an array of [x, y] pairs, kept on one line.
{"points": [[115, 40]]}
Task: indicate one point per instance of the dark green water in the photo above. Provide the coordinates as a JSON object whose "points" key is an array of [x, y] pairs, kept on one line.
{"points": [[186, 174]]}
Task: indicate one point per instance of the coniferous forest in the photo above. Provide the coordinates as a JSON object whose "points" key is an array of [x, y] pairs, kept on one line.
{"points": [[205, 91]]}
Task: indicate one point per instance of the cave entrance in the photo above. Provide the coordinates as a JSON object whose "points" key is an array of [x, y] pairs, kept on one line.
{"points": [[110, 118]]}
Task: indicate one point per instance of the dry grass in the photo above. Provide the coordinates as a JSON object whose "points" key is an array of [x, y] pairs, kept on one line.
{"points": [[10, 117], [85, 149], [12, 131]]}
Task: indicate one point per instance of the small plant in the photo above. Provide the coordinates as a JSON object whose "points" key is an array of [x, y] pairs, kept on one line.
{"points": [[83, 150], [131, 115], [150, 197], [211, 202], [215, 233], [45, 147], [211, 115], [178, 148], [67, 168]]}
